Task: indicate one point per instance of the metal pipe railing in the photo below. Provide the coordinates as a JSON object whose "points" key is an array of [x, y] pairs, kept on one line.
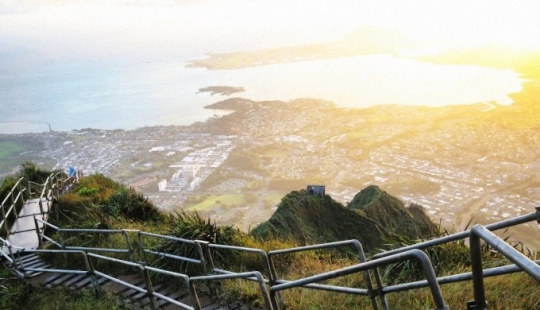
{"points": [[197, 245], [41, 233], [262, 254], [7, 245], [63, 252], [269, 304], [177, 275], [416, 254], [521, 263], [466, 276], [149, 291], [29, 189], [330, 245], [479, 232], [12, 208], [128, 250], [464, 234], [10, 194]]}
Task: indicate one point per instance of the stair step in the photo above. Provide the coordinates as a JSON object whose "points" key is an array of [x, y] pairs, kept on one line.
{"points": [[84, 282], [118, 288], [76, 278], [37, 264], [61, 280], [29, 257], [53, 276]]}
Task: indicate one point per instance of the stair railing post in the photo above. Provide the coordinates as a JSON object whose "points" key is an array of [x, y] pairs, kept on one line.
{"points": [[54, 204], [40, 242], [479, 301], [40, 203], [12, 206], [92, 274], [20, 263], [149, 288], [193, 292], [16, 211], [131, 253], [142, 248], [4, 214], [201, 246], [382, 296]]}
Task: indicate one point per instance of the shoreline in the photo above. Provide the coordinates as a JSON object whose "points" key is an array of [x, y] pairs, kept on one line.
{"points": [[27, 127], [21, 127]]}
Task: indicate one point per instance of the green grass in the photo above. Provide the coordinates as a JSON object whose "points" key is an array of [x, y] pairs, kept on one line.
{"points": [[513, 291], [8, 148], [14, 151], [85, 206], [273, 198], [8, 154], [226, 200]]}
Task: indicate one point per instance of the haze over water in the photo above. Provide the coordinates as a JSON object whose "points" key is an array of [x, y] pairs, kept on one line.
{"points": [[123, 65]]}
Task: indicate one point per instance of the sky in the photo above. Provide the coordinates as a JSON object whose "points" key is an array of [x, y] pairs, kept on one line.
{"points": [[104, 28]]}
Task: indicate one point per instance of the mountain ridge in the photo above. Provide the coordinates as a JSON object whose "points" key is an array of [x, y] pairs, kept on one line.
{"points": [[373, 218]]}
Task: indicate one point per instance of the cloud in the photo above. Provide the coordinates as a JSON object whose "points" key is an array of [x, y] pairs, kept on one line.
{"points": [[8, 7]]}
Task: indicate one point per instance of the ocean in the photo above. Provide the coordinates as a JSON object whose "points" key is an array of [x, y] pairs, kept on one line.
{"points": [[116, 65], [124, 94]]}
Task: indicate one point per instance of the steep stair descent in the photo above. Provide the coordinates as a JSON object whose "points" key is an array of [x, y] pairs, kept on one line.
{"points": [[23, 232], [26, 262]]}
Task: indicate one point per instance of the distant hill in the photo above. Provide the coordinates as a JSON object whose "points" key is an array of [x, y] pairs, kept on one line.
{"points": [[389, 212], [371, 218]]}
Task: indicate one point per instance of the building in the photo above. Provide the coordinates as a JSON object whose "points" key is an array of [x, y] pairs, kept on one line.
{"points": [[316, 190], [162, 185]]}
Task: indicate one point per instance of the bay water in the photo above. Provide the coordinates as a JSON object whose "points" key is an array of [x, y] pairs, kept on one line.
{"points": [[127, 93]]}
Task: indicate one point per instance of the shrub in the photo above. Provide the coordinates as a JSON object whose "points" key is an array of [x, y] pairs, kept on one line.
{"points": [[129, 203], [31, 172], [192, 226]]}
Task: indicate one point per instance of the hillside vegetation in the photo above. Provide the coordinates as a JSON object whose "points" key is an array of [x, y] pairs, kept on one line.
{"points": [[377, 219], [373, 217]]}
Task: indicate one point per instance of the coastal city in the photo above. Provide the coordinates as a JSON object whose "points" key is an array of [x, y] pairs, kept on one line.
{"points": [[464, 173]]}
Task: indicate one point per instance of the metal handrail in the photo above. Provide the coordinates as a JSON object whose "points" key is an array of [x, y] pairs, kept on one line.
{"points": [[466, 276], [52, 183], [177, 275], [330, 245], [269, 303], [266, 265], [479, 232], [149, 291], [535, 216], [273, 281], [196, 244], [370, 265], [521, 263], [262, 253], [11, 208], [128, 250], [11, 258], [6, 244], [30, 188], [10, 194], [88, 270]]}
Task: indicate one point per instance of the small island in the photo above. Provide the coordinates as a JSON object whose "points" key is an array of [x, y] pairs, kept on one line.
{"points": [[221, 90]]}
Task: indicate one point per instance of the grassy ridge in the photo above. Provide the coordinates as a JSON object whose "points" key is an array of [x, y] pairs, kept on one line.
{"points": [[308, 219], [300, 219]]}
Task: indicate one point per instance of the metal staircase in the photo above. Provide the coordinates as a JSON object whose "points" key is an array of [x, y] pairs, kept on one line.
{"points": [[144, 287]]}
